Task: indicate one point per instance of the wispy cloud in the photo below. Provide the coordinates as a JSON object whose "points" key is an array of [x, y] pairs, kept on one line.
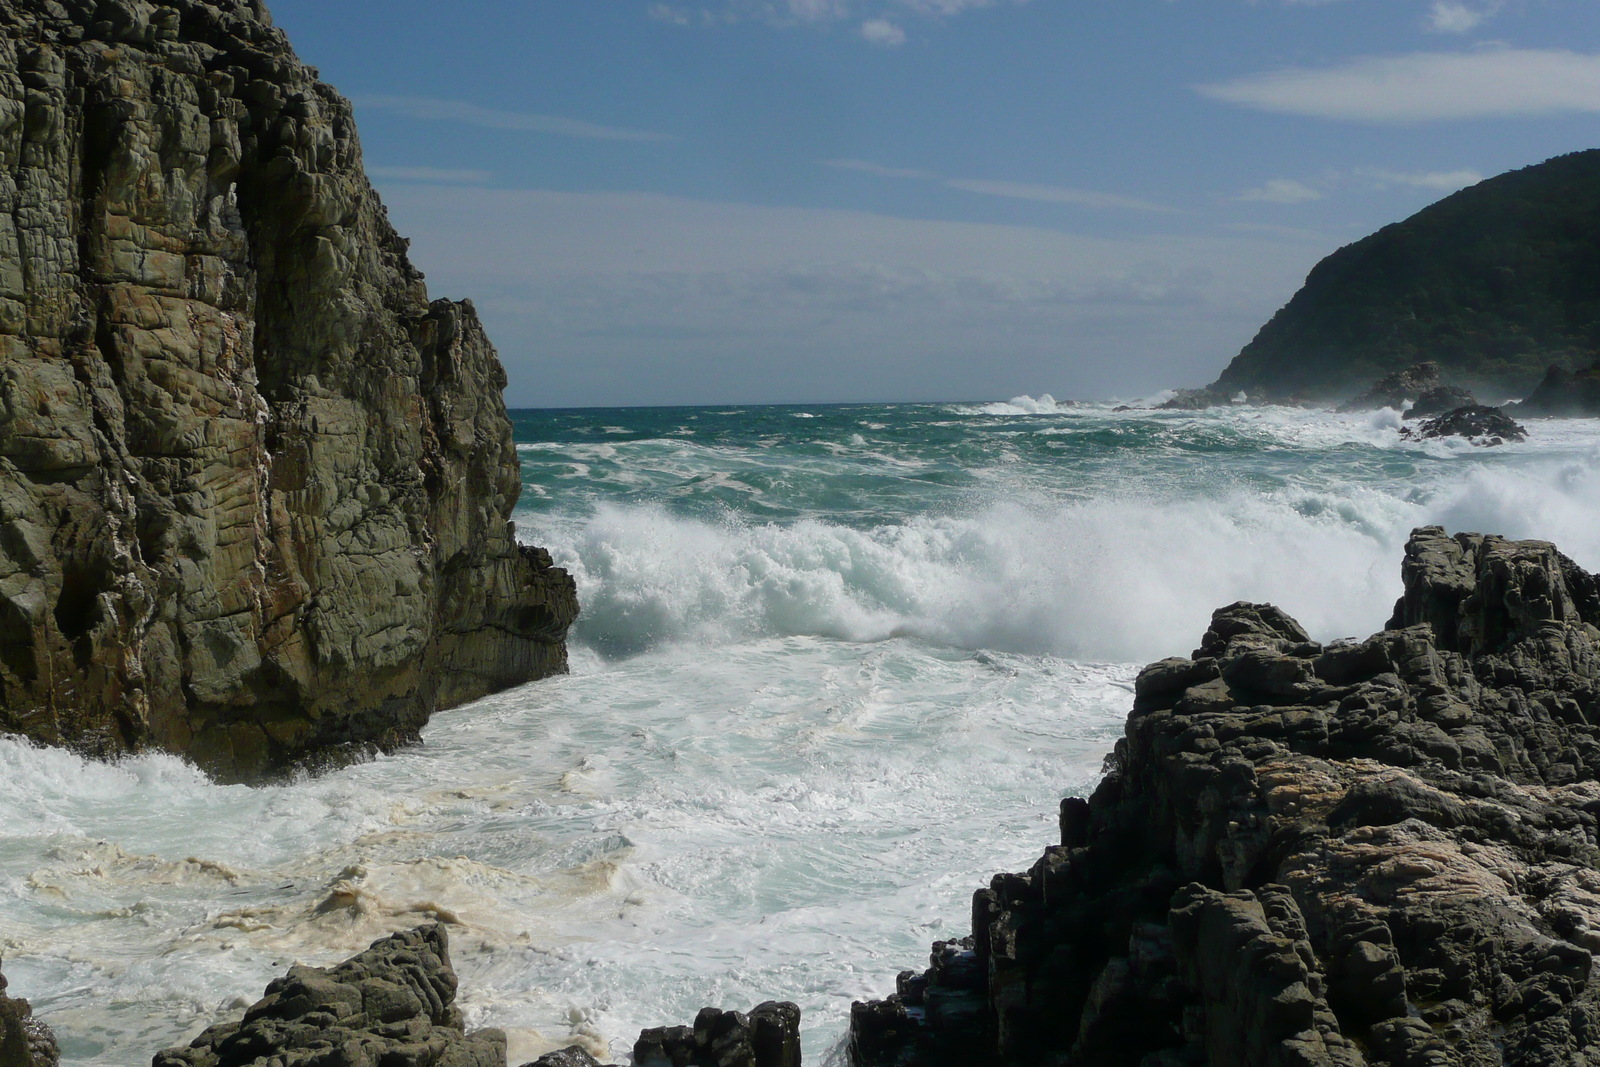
{"points": [[1046, 194], [1280, 191], [884, 32], [1441, 181], [879, 20], [432, 175], [428, 109], [1453, 16], [1427, 86]]}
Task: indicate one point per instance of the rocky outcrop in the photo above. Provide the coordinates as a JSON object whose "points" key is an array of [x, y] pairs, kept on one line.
{"points": [[1398, 389], [1440, 399], [1479, 424], [1381, 852], [1494, 283], [1573, 394], [392, 1004], [254, 486], [24, 1040]]}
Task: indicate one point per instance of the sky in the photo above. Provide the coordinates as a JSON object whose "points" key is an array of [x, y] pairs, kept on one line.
{"points": [[791, 201]]}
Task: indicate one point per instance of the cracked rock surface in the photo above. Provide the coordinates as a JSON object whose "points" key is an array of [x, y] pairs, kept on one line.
{"points": [[1382, 852], [255, 487]]}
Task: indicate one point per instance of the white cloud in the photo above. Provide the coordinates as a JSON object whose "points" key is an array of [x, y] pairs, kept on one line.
{"points": [[1440, 181], [427, 109], [431, 175], [1045, 194], [1427, 86], [1280, 191], [1452, 16], [883, 32]]}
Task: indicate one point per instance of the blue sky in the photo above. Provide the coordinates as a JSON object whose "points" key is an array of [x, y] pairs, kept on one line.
{"points": [[834, 200]]}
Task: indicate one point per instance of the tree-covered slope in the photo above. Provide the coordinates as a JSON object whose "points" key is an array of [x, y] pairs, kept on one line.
{"points": [[1495, 282]]}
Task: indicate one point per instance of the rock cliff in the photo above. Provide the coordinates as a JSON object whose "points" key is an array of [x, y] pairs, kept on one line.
{"points": [[1494, 282], [254, 486], [1379, 853]]}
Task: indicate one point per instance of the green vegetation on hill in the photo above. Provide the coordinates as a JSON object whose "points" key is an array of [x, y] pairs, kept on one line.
{"points": [[1495, 283]]}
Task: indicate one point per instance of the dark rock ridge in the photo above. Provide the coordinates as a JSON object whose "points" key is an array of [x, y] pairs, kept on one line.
{"points": [[24, 1040], [1479, 424], [254, 486], [1494, 282], [1564, 393], [1440, 399], [1383, 852]]}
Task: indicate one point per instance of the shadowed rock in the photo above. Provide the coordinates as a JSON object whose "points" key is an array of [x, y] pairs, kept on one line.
{"points": [[24, 1040], [1398, 389], [1366, 853], [1566, 393], [1479, 424]]}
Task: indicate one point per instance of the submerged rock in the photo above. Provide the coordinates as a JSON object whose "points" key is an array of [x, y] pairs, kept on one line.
{"points": [[1564, 393], [392, 1004], [1482, 425], [24, 1040], [255, 487], [1381, 852]]}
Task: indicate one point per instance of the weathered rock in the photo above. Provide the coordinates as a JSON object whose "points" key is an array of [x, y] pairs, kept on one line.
{"points": [[1564, 393], [1479, 424], [392, 1004], [24, 1040], [254, 486], [768, 1037], [1440, 399], [1379, 852], [1398, 389], [571, 1056]]}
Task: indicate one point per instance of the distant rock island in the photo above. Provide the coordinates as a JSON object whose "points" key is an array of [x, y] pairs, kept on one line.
{"points": [[1495, 283], [255, 488]]}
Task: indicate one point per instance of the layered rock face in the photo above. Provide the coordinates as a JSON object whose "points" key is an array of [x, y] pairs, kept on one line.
{"points": [[254, 486], [1380, 853]]}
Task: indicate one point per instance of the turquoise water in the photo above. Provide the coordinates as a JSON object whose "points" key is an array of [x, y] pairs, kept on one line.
{"points": [[836, 666]]}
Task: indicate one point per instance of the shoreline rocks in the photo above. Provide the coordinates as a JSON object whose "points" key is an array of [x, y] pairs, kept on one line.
{"points": [[1380, 852], [25, 1041], [255, 486], [1479, 424], [1564, 393]]}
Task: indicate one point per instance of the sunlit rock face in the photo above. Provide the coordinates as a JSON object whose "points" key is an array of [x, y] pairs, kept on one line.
{"points": [[255, 487]]}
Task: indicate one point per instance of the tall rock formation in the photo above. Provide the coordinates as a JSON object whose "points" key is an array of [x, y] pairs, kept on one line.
{"points": [[1494, 283], [255, 488]]}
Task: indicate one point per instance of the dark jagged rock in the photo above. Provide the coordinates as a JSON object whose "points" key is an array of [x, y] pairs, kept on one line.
{"points": [[1440, 399], [571, 1056], [255, 488], [1482, 425], [768, 1037], [392, 1004], [1564, 393], [1494, 282], [24, 1040], [1377, 853], [1195, 400], [1397, 389]]}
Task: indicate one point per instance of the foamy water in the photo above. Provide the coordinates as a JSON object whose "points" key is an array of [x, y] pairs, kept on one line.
{"points": [[836, 667]]}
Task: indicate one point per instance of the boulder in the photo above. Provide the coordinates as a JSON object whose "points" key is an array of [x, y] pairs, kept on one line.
{"points": [[24, 1040], [1440, 399]]}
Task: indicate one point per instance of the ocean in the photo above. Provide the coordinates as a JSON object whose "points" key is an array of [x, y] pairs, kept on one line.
{"points": [[837, 665]]}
